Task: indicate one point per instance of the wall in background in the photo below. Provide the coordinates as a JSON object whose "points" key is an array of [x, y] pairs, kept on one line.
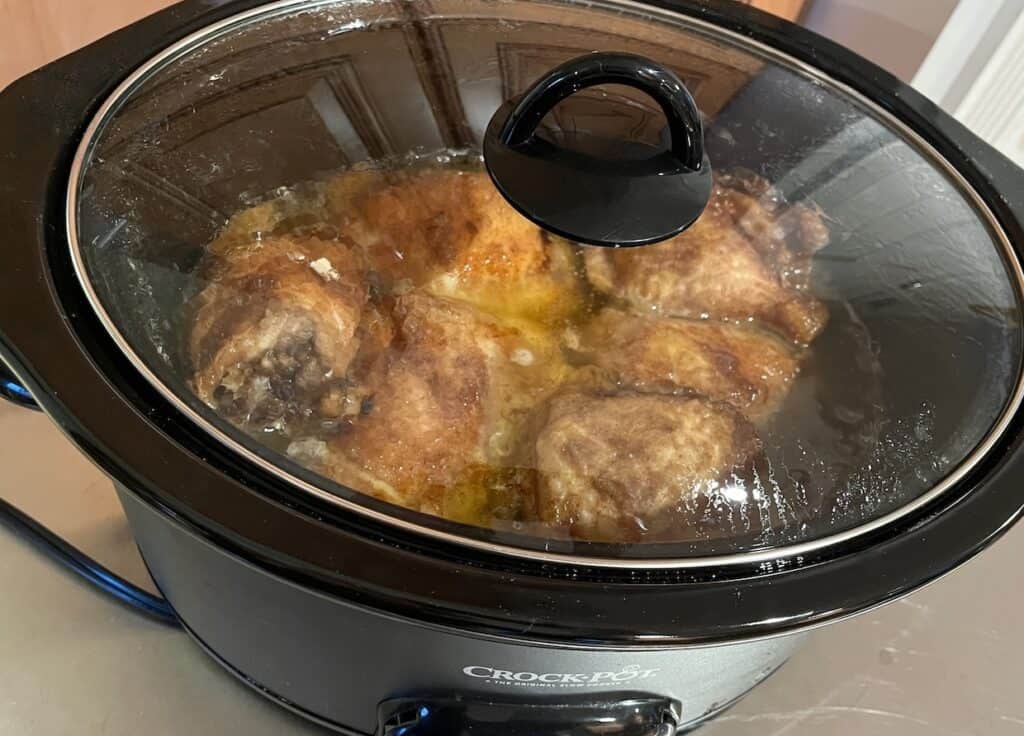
{"points": [[49, 29], [895, 34], [789, 9]]}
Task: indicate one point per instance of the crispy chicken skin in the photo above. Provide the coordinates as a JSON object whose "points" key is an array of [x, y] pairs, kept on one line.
{"points": [[277, 328], [748, 368], [612, 467], [454, 234], [713, 270], [448, 405]]}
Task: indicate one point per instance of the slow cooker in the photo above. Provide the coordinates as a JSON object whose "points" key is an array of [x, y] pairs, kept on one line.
{"points": [[881, 455]]}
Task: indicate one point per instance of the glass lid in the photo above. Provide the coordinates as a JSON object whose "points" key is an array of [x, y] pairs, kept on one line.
{"points": [[286, 224]]}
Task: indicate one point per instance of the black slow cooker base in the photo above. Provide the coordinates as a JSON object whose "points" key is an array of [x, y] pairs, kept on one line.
{"points": [[266, 692], [344, 666]]}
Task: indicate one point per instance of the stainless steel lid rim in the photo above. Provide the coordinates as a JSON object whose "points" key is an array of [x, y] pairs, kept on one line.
{"points": [[85, 406]]}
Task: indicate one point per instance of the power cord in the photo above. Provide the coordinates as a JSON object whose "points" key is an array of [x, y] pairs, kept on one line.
{"points": [[58, 549], [75, 560]]}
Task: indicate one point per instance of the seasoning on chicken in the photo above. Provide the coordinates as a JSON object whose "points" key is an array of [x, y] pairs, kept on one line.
{"points": [[786, 237]]}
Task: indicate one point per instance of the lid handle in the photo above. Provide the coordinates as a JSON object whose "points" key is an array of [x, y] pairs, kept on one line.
{"points": [[662, 85], [640, 195]]}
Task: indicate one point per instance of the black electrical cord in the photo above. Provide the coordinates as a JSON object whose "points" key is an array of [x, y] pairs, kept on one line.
{"points": [[72, 558], [80, 563]]}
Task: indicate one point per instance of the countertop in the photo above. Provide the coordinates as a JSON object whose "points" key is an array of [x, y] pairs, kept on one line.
{"points": [[948, 660]]}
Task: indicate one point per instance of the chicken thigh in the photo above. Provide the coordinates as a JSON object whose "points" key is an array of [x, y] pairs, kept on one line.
{"points": [[277, 328], [439, 435], [416, 339], [613, 467], [786, 237], [713, 270], [452, 233], [741, 365]]}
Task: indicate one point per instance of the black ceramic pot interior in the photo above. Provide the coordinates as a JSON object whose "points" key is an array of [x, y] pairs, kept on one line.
{"points": [[921, 356]]}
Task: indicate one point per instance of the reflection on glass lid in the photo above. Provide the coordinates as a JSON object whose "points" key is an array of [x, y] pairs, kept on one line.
{"points": [[290, 228]]}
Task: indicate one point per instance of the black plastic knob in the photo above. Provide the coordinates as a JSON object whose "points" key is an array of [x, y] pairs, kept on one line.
{"points": [[640, 195], [611, 714]]}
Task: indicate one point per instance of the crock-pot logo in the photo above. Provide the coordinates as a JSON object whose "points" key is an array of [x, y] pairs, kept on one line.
{"points": [[557, 679]]}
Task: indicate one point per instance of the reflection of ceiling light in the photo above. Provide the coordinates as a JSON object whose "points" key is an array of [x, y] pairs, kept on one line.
{"points": [[735, 493]]}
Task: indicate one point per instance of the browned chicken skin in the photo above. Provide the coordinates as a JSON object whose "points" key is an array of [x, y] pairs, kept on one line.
{"points": [[427, 417], [450, 403], [741, 365], [714, 270], [613, 467], [278, 327], [429, 341], [454, 235]]}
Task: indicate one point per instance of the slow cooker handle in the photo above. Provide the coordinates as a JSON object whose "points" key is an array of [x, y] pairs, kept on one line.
{"points": [[12, 390], [616, 714], [664, 86], [638, 196]]}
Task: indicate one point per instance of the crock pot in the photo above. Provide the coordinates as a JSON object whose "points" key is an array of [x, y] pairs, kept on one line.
{"points": [[122, 161]]}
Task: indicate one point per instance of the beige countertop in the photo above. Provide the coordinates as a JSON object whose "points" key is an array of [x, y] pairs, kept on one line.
{"points": [[947, 661]]}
